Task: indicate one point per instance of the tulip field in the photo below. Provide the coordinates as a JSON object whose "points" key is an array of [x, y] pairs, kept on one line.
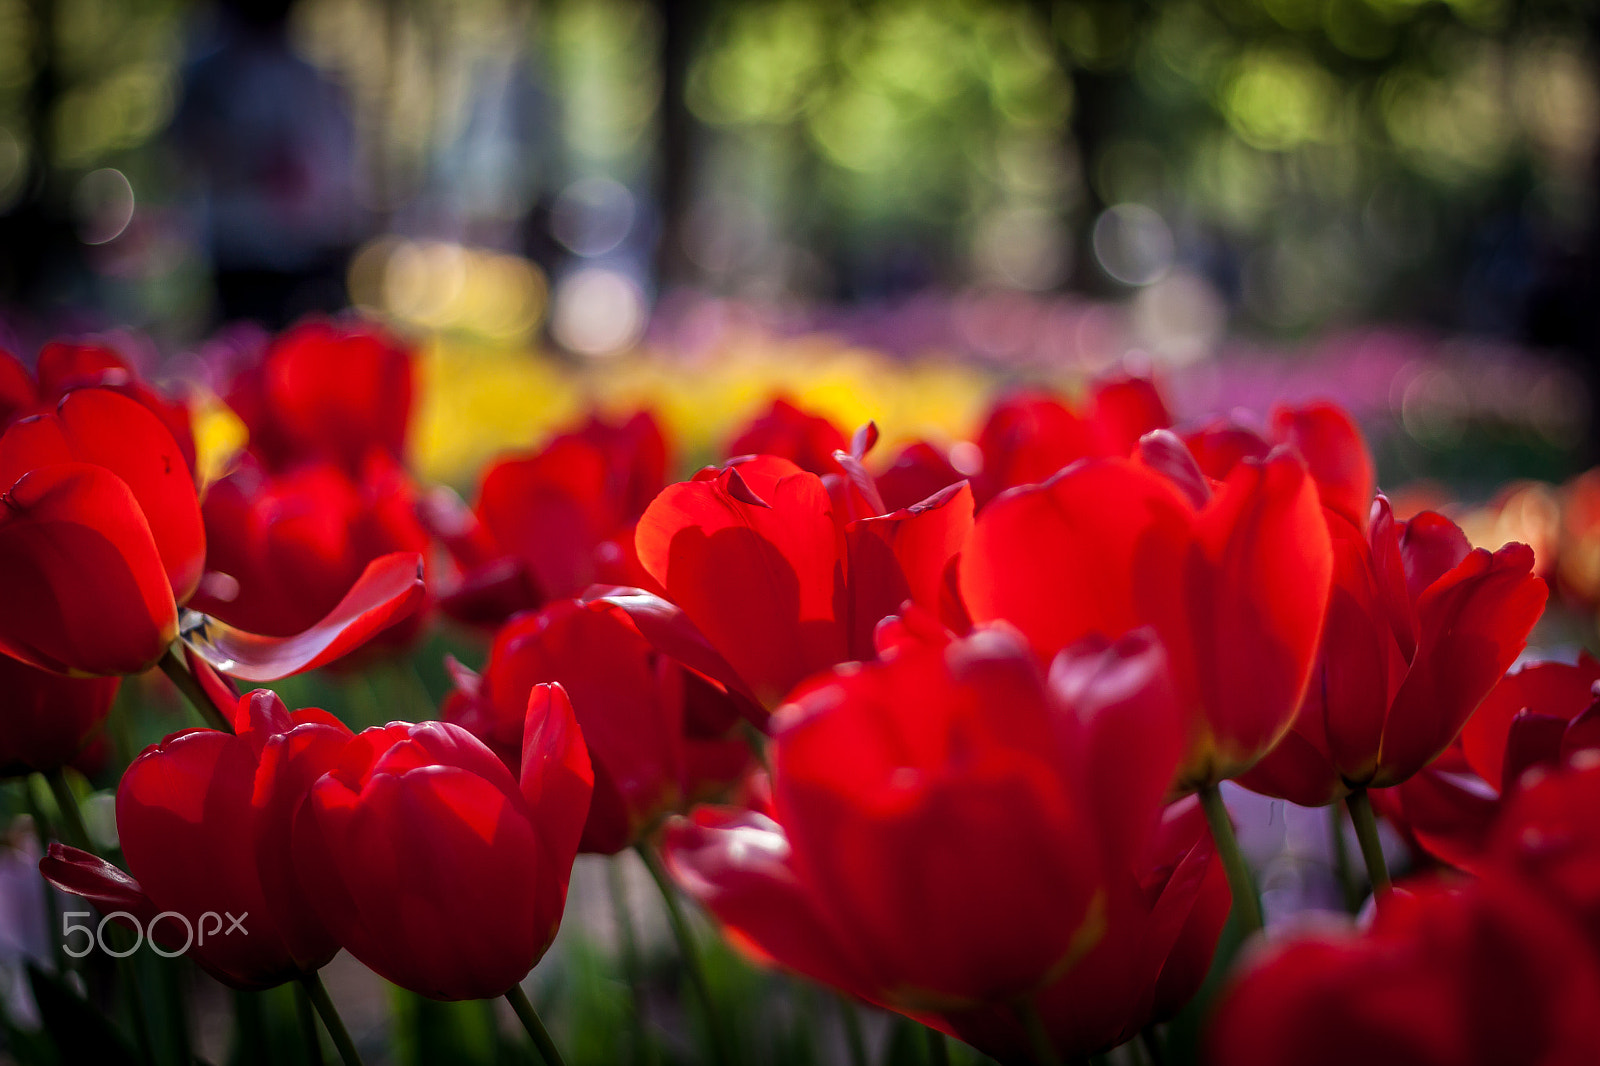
{"points": [[356, 710]]}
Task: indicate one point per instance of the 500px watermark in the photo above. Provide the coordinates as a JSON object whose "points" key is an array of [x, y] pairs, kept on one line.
{"points": [[96, 934]]}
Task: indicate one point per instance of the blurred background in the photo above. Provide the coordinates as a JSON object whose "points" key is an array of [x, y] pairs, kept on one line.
{"points": [[882, 208], [1390, 200]]}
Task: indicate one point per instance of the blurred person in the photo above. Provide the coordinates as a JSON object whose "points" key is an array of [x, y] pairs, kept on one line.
{"points": [[271, 143]]}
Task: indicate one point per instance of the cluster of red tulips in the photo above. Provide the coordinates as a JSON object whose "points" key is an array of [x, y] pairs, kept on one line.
{"points": [[945, 736]]}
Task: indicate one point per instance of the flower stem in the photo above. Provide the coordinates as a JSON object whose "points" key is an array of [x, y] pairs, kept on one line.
{"points": [[1366, 824], [308, 1023], [628, 946], [1341, 859], [1044, 1052], [691, 954], [180, 676], [317, 992], [1246, 907], [71, 823], [530, 1021]]}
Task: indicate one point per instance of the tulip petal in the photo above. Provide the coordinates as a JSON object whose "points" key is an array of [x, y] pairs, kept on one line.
{"points": [[557, 782], [903, 556], [1258, 610], [666, 626], [752, 556], [1127, 731], [1474, 622], [735, 864], [1552, 688], [389, 589], [1083, 553], [107, 429], [1335, 453], [85, 589]]}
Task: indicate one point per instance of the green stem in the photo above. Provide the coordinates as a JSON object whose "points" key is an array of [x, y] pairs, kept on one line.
{"points": [[317, 993], [853, 1036], [180, 676], [1246, 907], [691, 954], [530, 1021], [628, 944], [307, 1014], [71, 825], [1044, 1052], [170, 974], [41, 830], [1366, 824], [1341, 859], [78, 836]]}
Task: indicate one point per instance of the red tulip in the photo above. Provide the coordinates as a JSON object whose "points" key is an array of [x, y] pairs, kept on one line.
{"points": [[632, 703], [330, 390], [549, 525], [805, 439], [426, 860], [101, 536], [1549, 835], [200, 818], [1419, 629], [64, 366], [286, 548], [101, 542], [46, 719], [1163, 922], [1535, 718], [1324, 434], [1029, 437], [919, 471], [1234, 583], [1485, 974], [930, 853], [766, 569]]}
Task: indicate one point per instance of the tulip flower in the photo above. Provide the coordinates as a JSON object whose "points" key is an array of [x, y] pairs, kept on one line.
{"points": [[1162, 926], [428, 862], [1234, 581], [1420, 627], [64, 366], [656, 734], [548, 525], [1536, 718], [285, 548], [777, 582], [1549, 836], [1029, 437], [807, 440], [45, 718], [919, 471], [102, 543], [200, 818], [100, 536], [330, 390], [1486, 973], [951, 832], [1324, 434]]}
